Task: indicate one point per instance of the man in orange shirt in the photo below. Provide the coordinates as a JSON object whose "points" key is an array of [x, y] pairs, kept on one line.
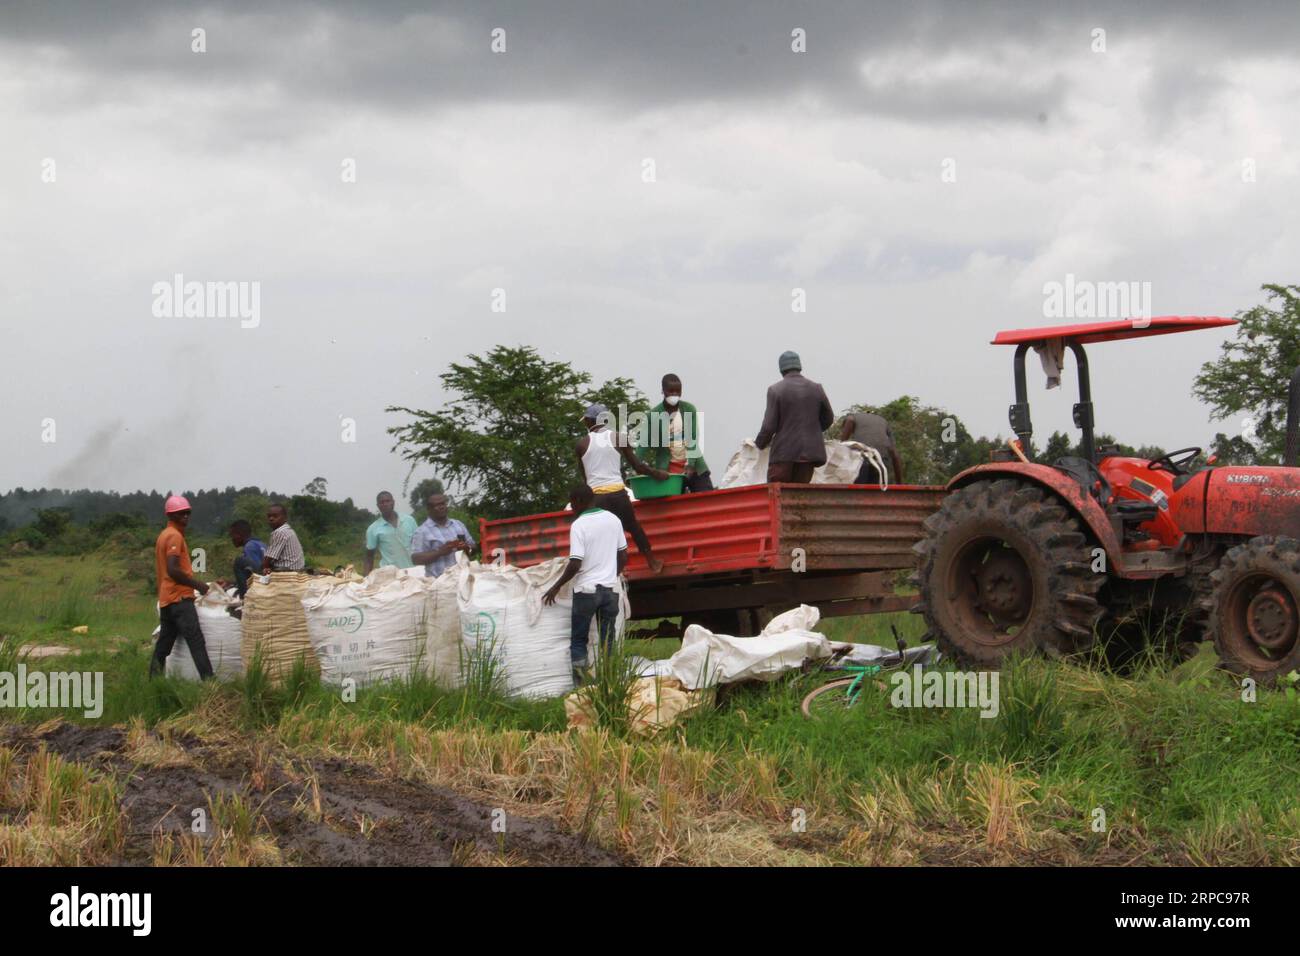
{"points": [[176, 587]]}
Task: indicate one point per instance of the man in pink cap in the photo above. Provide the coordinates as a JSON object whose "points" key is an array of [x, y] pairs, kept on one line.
{"points": [[176, 587]]}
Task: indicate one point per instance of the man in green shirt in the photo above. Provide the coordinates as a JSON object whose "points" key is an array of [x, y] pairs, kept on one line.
{"points": [[390, 535], [672, 440]]}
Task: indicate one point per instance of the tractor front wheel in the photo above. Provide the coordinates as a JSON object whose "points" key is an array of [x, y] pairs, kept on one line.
{"points": [[1005, 568], [1253, 608]]}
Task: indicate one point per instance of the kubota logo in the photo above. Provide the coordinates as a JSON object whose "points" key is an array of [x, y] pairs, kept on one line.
{"points": [[348, 623]]}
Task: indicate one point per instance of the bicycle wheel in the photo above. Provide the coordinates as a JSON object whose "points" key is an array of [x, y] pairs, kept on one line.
{"points": [[830, 697]]}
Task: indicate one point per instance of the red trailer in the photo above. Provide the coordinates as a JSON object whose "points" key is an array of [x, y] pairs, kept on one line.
{"points": [[734, 557]]}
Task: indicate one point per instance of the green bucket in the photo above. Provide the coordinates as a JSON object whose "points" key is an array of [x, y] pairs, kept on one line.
{"points": [[643, 486]]}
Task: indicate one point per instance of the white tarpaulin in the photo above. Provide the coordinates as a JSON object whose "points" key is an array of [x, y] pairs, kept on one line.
{"points": [[748, 466], [706, 659], [222, 635], [369, 631]]}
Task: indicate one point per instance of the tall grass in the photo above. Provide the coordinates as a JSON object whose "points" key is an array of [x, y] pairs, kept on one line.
{"points": [[1185, 769], [11, 654], [58, 812], [609, 692], [482, 677]]}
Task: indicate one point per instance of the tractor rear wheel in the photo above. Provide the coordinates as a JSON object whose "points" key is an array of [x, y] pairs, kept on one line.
{"points": [[1005, 568], [1253, 608]]}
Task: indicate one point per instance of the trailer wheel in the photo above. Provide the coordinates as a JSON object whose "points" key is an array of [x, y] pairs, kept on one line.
{"points": [[1253, 609], [1005, 568]]}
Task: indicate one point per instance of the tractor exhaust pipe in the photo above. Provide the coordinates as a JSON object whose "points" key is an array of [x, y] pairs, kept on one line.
{"points": [[1293, 421]]}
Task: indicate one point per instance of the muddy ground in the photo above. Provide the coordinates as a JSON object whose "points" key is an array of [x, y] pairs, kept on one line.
{"points": [[318, 812]]}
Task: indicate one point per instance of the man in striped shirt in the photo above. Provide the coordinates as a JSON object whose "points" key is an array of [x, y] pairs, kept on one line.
{"points": [[284, 551]]}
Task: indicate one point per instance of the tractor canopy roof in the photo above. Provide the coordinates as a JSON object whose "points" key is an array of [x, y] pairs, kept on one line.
{"points": [[1109, 331]]}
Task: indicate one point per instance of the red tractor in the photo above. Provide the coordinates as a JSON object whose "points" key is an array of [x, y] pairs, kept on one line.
{"points": [[1104, 549]]}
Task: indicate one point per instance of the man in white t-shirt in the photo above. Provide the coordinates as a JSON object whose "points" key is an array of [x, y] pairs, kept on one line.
{"points": [[597, 556]]}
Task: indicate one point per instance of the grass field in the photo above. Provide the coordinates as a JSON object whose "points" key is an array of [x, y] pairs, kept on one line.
{"points": [[1080, 766]]}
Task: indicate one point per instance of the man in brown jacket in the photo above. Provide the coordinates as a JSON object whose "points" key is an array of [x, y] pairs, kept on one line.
{"points": [[798, 412]]}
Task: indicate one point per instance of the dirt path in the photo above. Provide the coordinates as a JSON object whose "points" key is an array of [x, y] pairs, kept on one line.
{"points": [[319, 812]]}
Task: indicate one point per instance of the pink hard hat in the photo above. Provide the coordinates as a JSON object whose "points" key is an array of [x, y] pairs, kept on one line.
{"points": [[176, 503]]}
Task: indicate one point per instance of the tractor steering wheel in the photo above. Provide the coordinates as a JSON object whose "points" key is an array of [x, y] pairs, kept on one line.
{"points": [[1174, 461]]}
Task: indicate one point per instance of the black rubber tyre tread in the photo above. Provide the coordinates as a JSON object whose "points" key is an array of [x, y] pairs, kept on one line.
{"points": [[1277, 556], [1065, 612]]}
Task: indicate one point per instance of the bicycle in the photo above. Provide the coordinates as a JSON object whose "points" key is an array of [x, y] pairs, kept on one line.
{"points": [[844, 693]]}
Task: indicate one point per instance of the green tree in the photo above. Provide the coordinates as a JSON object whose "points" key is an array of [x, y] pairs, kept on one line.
{"points": [[53, 522], [504, 440], [1250, 378], [1233, 450], [252, 508], [1058, 446], [933, 442], [421, 492], [316, 488]]}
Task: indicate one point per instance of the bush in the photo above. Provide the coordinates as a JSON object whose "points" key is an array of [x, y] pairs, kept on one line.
{"points": [[53, 522], [31, 536]]}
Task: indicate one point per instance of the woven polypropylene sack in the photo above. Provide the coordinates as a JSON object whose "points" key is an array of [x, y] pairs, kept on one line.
{"points": [[275, 625], [507, 631], [368, 631], [442, 626], [222, 637]]}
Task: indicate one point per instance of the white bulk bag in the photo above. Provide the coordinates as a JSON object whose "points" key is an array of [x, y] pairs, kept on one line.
{"points": [[503, 619], [564, 599], [222, 636], [748, 466], [843, 462], [369, 631], [506, 627]]}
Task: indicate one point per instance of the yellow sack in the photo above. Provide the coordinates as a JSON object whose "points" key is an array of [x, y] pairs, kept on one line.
{"points": [[275, 625], [653, 704]]}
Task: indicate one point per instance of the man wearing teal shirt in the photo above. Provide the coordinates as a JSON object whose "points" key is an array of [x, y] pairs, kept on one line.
{"points": [[390, 535], [672, 439]]}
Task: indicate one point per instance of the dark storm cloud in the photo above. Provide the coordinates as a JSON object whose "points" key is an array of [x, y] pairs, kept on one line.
{"points": [[634, 55]]}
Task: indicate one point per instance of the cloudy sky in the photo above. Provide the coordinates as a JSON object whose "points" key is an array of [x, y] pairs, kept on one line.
{"points": [[921, 171]]}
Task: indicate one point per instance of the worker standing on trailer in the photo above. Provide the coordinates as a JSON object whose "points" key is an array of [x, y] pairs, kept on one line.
{"points": [[390, 535], [597, 556], [798, 412], [284, 551], [867, 428], [601, 454], [176, 586], [673, 441]]}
